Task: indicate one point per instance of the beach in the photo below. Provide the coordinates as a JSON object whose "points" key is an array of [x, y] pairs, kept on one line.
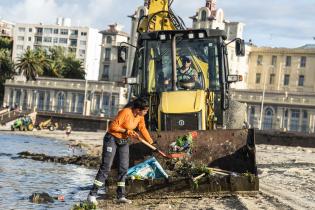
{"points": [[286, 176]]}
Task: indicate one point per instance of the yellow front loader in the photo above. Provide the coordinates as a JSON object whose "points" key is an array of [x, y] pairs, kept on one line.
{"points": [[201, 105]]}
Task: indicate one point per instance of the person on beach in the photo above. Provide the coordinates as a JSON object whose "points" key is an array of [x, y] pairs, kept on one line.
{"points": [[117, 139], [68, 129]]}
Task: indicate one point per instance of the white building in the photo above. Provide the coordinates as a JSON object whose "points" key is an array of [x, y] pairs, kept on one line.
{"points": [[70, 96], [84, 42], [110, 69], [6, 28], [209, 17]]}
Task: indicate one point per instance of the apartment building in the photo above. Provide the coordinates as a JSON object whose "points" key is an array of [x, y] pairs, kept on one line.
{"points": [[6, 28], [281, 89], [110, 69], [84, 42]]}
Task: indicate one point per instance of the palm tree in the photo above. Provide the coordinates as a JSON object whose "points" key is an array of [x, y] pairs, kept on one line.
{"points": [[54, 68], [73, 68], [29, 65]]}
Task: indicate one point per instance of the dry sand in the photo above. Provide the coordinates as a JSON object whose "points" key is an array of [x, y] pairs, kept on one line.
{"points": [[287, 179]]}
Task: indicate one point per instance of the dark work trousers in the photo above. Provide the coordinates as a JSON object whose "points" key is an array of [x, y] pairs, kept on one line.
{"points": [[112, 144]]}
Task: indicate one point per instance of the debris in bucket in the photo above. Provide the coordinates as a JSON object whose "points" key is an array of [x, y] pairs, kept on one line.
{"points": [[183, 143], [149, 169]]}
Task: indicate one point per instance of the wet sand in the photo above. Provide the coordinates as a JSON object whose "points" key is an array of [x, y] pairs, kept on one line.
{"points": [[287, 178]]}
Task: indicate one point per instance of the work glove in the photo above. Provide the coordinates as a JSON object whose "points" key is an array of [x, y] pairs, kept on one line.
{"points": [[132, 133]]}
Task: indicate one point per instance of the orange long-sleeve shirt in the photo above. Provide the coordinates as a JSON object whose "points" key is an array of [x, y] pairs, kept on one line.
{"points": [[126, 120]]}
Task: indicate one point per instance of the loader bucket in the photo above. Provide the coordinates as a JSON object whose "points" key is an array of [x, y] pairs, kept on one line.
{"points": [[231, 150]]}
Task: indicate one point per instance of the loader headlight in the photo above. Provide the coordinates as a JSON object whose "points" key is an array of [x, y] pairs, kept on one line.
{"points": [[191, 36], [162, 37], [201, 35]]}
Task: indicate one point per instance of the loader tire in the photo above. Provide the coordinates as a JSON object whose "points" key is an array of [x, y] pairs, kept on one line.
{"points": [[30, 127]]}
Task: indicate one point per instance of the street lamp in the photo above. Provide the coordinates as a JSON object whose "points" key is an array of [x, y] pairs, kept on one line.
{"points": [[262, 102]]}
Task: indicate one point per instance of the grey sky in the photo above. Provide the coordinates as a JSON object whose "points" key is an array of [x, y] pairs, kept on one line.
{"points": [[279, 23]]}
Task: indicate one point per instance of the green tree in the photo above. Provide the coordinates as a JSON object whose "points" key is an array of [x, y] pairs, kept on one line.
{"points": [[73, 68], [6, 70], [55, 58], [6, 43], [29, 65]]}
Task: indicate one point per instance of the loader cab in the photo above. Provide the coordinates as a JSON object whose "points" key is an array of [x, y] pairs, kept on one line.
{"points": [[180, 61], [190, 64]]}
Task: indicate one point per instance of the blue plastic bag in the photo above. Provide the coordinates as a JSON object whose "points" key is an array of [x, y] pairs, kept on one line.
{"points": [[149, 169]]}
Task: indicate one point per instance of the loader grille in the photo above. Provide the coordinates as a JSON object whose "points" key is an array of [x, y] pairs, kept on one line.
{"points": [[187, 121]]}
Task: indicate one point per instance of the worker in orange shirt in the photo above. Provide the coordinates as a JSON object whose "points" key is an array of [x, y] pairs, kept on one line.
{"points": [[117, 139]]}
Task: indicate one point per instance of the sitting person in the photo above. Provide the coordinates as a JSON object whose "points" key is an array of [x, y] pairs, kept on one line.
{"points": [[187, 76]]}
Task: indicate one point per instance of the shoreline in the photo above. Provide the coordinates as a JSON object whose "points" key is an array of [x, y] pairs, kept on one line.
{"points": [[92, 142]]}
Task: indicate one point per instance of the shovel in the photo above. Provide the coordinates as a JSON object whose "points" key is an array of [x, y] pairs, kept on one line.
{"points": [[169, 156]]}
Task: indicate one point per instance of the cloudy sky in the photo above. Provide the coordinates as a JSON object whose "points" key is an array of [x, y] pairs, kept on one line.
{"points": [[278, 23]]}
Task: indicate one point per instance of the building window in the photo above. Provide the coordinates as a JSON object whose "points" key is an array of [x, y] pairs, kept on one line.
{"points": [[301, 80], [80, 103], [38, 39], [29, 39], [63, 40], [268, 118], [82, 52], [47, 105], [124, 71], [30, 30], [56, 31], [73, 42], [55, 40], [109, 40], [288, 61], [83, 33], [272, 79], [47, 39], [20, 38], [105, 104], [258, 75], [64, 31], [295, 118], [305, 125], [60, 101], [47, 30], [74, 32], [303, 62], [286, 79], [259, 60], [41, 99], [105, 72], [252, 117], [107, 54], [274, 60], [21, 29], [82, 42], [203, 15], [39, 30]]}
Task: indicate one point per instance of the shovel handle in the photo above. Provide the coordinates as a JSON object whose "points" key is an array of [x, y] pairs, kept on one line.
{"points": [[146, 143], [152, 147]]}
